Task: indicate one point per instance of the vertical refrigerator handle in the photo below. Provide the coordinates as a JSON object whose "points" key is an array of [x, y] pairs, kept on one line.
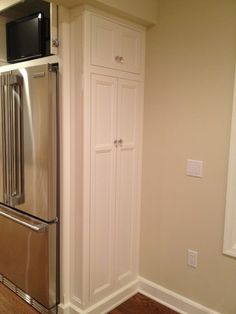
{"points": [[16, 158], [4, 138]]}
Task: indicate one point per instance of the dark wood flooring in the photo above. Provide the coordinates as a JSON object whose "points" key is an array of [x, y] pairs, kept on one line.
{"points": [[140, 304], [10, 303]]}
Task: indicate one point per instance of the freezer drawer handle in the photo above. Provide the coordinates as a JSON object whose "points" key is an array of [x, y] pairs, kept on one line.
{"points": [[41, 227]]}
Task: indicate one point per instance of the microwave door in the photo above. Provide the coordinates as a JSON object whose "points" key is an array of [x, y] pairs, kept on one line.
{"points": [[35, 158]]}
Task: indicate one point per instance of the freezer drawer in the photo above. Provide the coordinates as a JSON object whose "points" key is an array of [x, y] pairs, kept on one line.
{"points": [[28, 255]]}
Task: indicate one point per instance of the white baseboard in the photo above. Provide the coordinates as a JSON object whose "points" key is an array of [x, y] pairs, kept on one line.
{"points": [[171, 299], [158, 293], [105, 305], [64, 309]]}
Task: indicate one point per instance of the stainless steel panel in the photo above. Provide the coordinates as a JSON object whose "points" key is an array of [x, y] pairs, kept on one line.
{"points": [[32, 136], [28, 255]]}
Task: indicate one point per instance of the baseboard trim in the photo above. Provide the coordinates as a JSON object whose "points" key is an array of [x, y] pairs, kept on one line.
{"points": [[107, 304], [64, 309], [171, 299], [158, 293]]}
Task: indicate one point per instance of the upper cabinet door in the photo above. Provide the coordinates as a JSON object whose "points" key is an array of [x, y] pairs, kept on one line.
{"points": [[128, 46], [115, 46], [103, 42]]}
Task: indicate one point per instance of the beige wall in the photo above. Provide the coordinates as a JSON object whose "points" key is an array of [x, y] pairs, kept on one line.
{"points": [[145, 10], [189, 89], [142, 11]]}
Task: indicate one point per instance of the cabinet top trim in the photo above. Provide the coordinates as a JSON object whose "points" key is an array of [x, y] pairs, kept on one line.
{"points": [[112, 16]]}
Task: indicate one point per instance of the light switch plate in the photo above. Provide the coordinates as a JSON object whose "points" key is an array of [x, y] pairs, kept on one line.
{"points": [[194, 168], [192, 258]]}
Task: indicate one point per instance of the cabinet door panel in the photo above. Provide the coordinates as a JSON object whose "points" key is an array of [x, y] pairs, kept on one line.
{"points": [[115, 46], [103, 128], [128, 124], [129, 49], [103, 43]]}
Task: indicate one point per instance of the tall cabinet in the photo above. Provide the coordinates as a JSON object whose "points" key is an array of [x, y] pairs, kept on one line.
{"points": [[107, 66]]}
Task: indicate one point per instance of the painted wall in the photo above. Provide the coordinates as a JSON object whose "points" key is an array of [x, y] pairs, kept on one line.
{"points": [[190, 62], [145, 12]]}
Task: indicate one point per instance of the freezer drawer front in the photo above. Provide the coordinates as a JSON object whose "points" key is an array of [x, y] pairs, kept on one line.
{"points": [[28, 255]]}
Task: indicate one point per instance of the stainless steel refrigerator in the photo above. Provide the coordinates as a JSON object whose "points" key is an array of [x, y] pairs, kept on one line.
{"points": [[29, 205]]}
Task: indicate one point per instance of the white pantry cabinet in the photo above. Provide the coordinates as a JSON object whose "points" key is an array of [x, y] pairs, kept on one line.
{"points": [[107, 105]]}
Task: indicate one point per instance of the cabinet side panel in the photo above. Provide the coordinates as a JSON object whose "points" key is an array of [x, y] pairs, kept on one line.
{"points": [[76, 227]]}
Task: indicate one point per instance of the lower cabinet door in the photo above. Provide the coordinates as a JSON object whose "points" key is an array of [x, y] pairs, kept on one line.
{"points": [[103, 167], [115, 127], [127, 182], [28, 257]]}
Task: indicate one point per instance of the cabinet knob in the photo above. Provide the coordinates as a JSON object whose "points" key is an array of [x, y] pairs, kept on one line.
{"points": [[122, 60], [115, 143], [117, 58], [120, 142]]}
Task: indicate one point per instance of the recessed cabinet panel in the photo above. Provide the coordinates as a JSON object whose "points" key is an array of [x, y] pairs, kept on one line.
{"points": [[103, 43], [126, 207], [103, 106], [129, 47], [115, 46]]}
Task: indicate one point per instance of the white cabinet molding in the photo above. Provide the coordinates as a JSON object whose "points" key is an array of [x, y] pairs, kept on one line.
{"points": [[230, 211]]}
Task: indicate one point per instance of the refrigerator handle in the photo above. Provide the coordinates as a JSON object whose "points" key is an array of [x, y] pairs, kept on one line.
{"points": [[17, 173], [4, 115], [38, 227]]}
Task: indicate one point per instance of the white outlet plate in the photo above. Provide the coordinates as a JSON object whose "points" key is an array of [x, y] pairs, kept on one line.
{"points": [[194, 168], [192, 258]]}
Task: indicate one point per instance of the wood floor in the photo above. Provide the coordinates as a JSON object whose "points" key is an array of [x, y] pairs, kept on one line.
{"points": [[10, 303], [138, 304]]}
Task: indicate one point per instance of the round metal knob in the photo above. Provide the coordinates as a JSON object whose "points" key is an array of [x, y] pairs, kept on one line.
{"points": [[122, 60], [120, 142], [117, 58]]}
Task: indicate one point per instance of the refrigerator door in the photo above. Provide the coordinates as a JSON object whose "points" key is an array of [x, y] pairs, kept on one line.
{"points": [[28, 260], [29, 115]]}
